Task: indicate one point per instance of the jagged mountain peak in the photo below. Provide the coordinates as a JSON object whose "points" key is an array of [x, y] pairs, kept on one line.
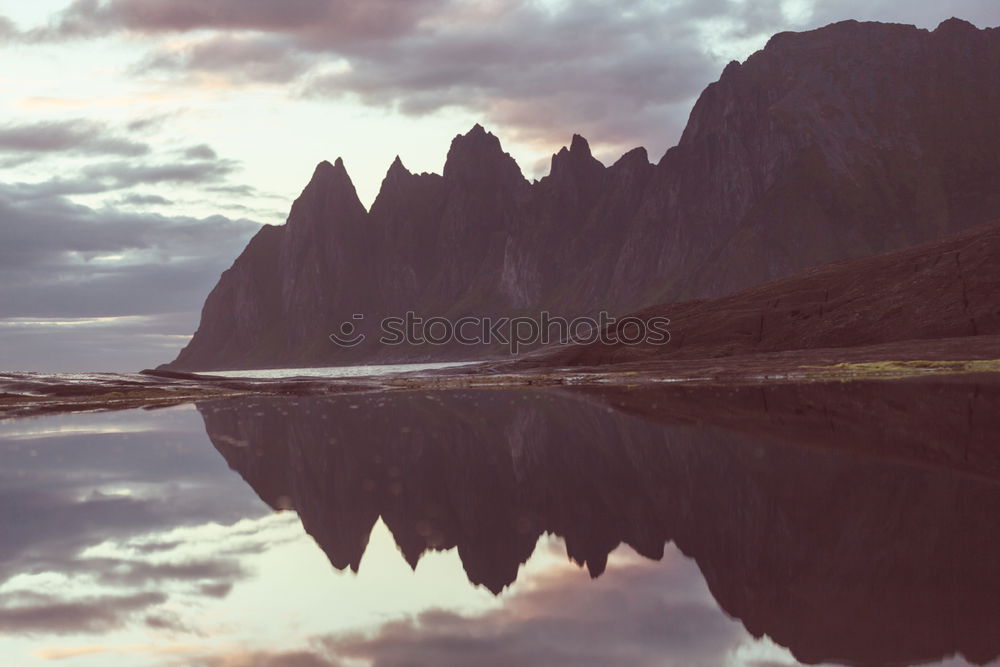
{"points": [[579, 145], [477, 136], [955, 25], [637, 155], [394, 184], [326, 174], [478, 154], [329, 193], [396, 170], [577, 159], [633, 162]]}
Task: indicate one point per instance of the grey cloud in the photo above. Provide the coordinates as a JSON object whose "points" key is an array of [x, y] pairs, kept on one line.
{"points": [[338, 19], [115, 347], [169, 621], [7, 28], [63, 260], [39, 233], [243, 58], [136, 199], [622, 73], [155, 547], [127, 174], [60, 259], [219, 590], [148, 123], [68, 136], [200, 152], [111, 176], [243, 191], [543, 75], [270, 659], [17, 160], [87, 615]]}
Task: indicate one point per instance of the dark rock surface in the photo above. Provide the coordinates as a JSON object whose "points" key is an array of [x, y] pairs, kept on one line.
{"points": [[841, 142], [943, 289]]}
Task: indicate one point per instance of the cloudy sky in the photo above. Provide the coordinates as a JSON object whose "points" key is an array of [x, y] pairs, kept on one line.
{"points": [[143, 141]]}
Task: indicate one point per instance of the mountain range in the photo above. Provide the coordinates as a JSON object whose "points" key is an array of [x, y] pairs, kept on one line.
{"points": [[842, 142]]}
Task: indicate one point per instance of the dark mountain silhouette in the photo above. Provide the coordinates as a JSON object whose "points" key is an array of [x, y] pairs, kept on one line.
{"points": [[850, 522], [841, 142]]}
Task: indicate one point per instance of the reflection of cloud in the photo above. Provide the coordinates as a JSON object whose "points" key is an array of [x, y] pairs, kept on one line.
{"points": [[638, 613], [96, 614], [137, 573], [63, 482]]}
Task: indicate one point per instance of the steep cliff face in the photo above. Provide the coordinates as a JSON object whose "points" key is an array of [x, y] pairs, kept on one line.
{"points": [[841, 142]]}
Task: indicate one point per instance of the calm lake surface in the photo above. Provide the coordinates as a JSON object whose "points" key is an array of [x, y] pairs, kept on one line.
{"points": [[339, 371], [853, 523]]}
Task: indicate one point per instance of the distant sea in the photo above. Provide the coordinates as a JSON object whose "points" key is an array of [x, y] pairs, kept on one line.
{"points": [[337, 371]]}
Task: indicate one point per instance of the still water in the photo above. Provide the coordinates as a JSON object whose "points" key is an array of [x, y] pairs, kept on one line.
{"points": [[846, 523], [340, 371]]}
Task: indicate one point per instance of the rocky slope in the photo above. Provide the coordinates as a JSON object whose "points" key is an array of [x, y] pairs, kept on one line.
{"points": [[938, 290], [841, 142]]}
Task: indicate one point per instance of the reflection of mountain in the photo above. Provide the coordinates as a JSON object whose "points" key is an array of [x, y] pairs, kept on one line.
{"points": [[836, 556]]}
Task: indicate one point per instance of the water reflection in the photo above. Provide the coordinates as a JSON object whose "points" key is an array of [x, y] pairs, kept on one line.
{"points": [[851, 523]]}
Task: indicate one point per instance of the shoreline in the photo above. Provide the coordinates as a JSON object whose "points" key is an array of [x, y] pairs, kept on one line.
{"points": [[36, 394]]}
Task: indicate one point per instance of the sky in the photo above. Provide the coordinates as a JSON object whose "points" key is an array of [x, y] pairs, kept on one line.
{"points": [[142, 142]]}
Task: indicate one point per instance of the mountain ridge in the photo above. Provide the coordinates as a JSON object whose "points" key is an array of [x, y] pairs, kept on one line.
{"points": [[841, 142]]}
